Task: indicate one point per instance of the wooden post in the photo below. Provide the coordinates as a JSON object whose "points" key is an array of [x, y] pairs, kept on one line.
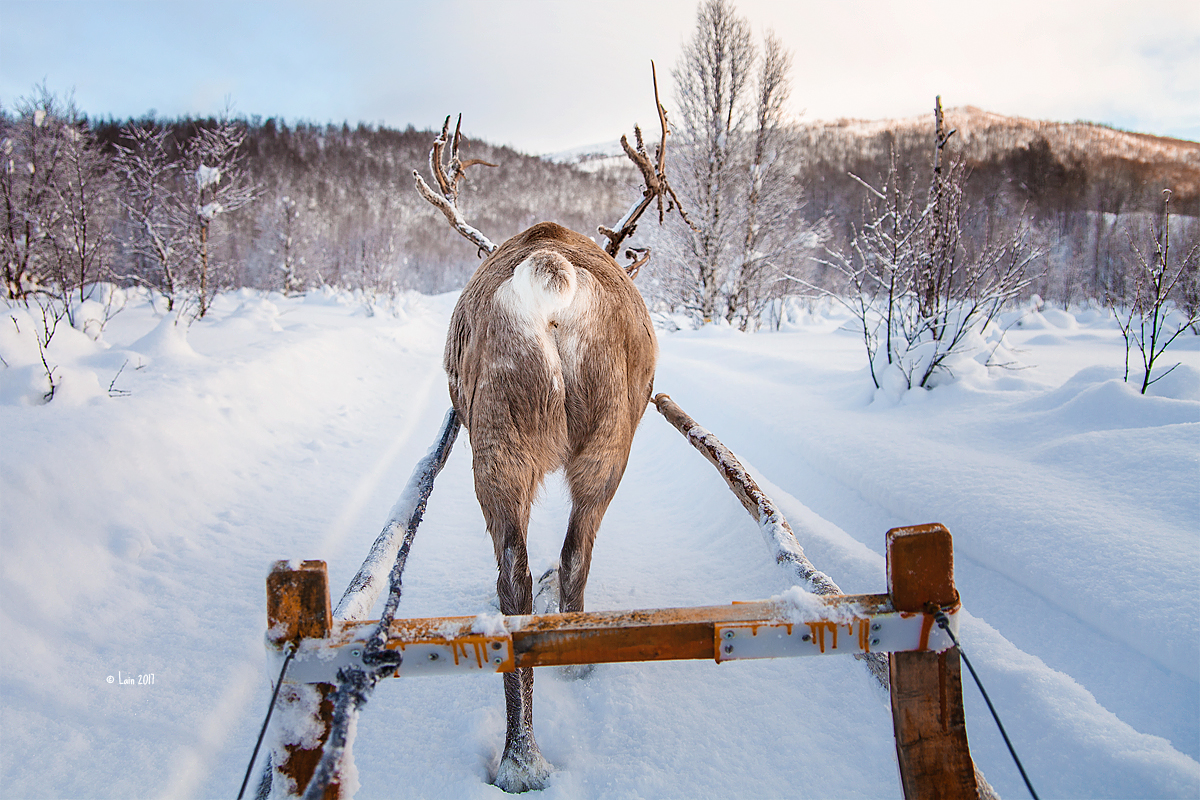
{"points": [[298, 608], [926, 688]]}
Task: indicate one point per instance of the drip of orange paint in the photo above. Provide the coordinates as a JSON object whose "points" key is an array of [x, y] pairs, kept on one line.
{"points": [[926, 626]]}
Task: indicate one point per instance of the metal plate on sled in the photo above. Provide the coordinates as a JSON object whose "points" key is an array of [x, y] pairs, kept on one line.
{"points": [[462, 654], [886, 632], [437, 657]]}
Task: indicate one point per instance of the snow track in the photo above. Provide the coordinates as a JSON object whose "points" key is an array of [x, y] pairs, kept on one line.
{"points": [[136, 534]]}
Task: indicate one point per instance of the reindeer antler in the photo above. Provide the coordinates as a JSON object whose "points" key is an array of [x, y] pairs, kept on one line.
{"points": [[447, 201], [657, 187]]}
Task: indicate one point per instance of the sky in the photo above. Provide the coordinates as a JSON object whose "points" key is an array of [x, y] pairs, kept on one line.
{"points": [[545, 76]]}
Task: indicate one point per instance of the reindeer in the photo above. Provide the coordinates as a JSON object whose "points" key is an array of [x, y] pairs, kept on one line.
{"points": [[550, 359]]}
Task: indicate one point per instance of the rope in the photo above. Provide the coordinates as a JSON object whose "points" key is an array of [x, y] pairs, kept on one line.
{"points": [[944, 624], [262, 732]]}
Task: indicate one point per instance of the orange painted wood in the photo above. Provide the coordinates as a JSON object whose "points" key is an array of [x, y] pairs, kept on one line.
{"points": [[926, 688], [600, 637], [298, 602], [298, 608]]}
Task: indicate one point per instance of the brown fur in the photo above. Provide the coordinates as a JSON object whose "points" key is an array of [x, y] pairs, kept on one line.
{"points": [[541, 387]]}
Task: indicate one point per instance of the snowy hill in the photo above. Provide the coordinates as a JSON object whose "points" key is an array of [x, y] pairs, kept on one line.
{"points": [[141, 509], [1139, 160]]}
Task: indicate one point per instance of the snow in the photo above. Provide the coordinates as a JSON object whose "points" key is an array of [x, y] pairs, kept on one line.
{"points": [[209, 210], [137, 531], [207, 176]]}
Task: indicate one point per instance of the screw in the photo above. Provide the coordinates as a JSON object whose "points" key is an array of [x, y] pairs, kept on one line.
{"points": [[433, 656], [497, 660], [875, 627], [728, 649], [874, 641], [496, 645], [356, 653], [805, 637], [728, 634]]}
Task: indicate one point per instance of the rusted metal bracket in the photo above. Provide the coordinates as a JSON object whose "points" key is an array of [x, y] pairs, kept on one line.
{"points": [[886, 632]]}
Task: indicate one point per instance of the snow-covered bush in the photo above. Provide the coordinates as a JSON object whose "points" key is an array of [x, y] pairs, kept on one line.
{"points": [[919, 293]]}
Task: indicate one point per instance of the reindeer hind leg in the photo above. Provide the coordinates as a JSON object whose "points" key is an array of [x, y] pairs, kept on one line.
{"points": [[522, 767]]}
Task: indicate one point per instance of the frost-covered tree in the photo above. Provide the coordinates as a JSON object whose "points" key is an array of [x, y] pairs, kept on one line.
{"points": [[215, 182], [32, 145], [158, 220], [84, 189], [917, 289], [289, 261], [712, 83], [735, 162], [774, 236]]}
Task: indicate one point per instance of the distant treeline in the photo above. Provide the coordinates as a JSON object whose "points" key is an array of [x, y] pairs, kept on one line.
{"points": [[335, 204], [341, 200]]}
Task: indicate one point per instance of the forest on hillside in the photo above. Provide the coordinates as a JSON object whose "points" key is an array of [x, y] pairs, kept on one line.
{"points": [[335, 204], [925, 227]]}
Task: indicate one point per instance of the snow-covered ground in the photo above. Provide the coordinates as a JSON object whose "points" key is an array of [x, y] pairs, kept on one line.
{"points": [[138, 529]]}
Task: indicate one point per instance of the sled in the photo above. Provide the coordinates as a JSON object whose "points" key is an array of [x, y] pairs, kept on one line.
{"points": [[903, 636]]}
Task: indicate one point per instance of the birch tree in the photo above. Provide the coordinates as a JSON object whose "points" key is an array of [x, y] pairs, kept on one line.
{"points": [[32, 156], [149, 175], [737, 165], [215, 182], [772, 231], [712, 81], [84, 192]]}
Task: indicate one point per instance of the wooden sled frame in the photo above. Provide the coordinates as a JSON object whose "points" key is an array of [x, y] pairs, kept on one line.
{"points": [[924, 671]]}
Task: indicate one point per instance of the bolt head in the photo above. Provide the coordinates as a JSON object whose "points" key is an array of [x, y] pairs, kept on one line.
{"points": [[356, 653], [433, 656], [875, 627], [874, 641], [805, 638], [496, 645], [728, 649], [728, 634]]}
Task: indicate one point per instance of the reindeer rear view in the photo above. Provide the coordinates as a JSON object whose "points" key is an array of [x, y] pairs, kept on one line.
{"points": [[550, 358]]}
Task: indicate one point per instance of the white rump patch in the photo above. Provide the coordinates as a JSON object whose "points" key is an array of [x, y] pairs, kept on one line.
{"points": [[541, 286]]}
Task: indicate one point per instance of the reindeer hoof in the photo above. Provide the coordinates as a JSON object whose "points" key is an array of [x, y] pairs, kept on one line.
{"points": [[522, 770]]}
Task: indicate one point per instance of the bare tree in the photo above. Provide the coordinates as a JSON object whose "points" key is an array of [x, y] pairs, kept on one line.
{"points": [[712, 81], [880, 267], [84, 191], [1147, 321], [216, 182], [915, 289], [738, 163], [32, 155], [159, 222], [773, 231]]}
